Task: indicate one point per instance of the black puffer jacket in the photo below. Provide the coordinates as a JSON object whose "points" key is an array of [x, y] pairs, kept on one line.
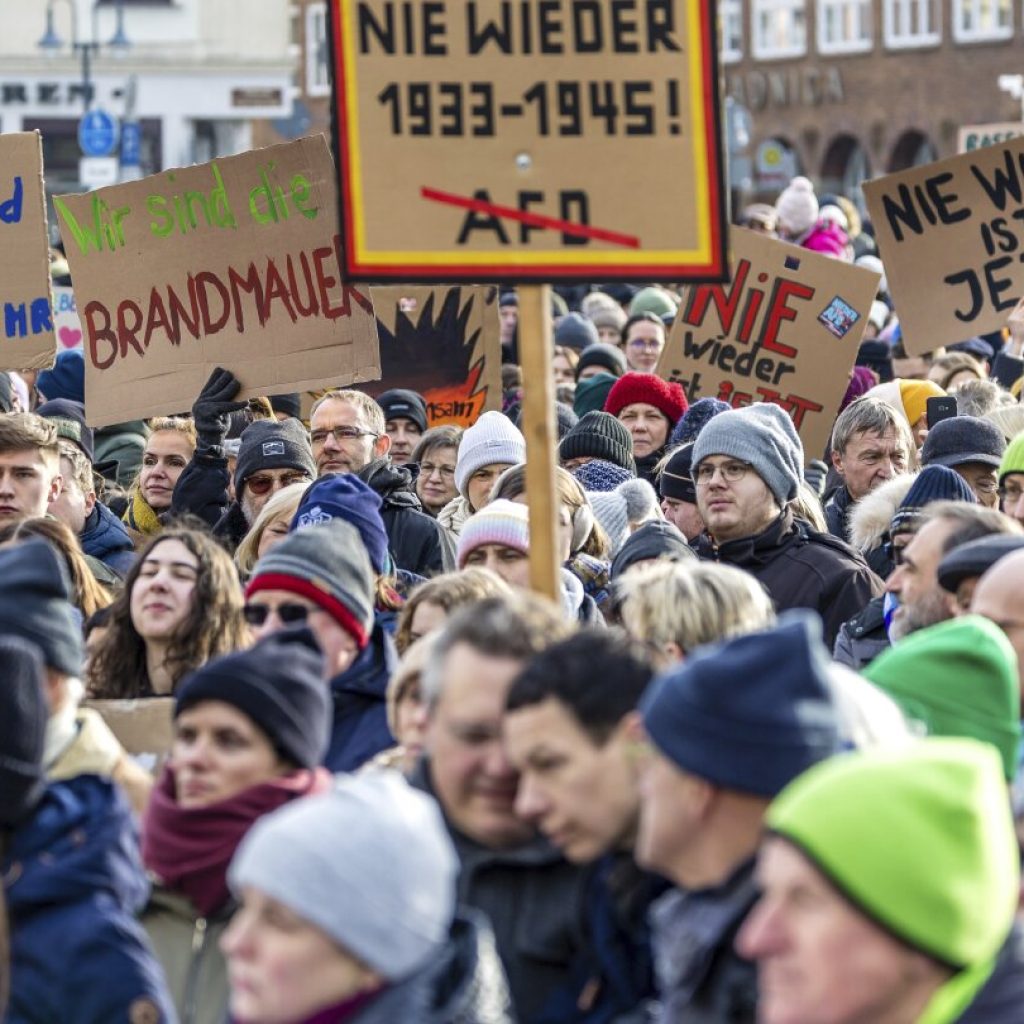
{"points": [[418, 543], [863, 638], [801, 568], [837, 513]]}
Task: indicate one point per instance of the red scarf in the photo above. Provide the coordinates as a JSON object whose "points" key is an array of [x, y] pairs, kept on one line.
{"points": [[188, 850]]}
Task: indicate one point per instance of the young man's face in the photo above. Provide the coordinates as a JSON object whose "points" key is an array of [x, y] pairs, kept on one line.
{"points": [[29, 484]]}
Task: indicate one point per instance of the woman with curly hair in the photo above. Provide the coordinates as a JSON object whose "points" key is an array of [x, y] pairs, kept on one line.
{"points": [[180, 607]]}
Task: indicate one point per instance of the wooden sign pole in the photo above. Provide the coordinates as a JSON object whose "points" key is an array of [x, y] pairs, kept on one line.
{"points": [[535, 355]]}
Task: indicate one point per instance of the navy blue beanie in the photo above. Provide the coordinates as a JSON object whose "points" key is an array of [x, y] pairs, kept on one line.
{"points": [[601, 475], [344, 496], [676, 480], [933, 483], [23, 717], [66, 379], [278, 683], [695, 418], [750, 714]]}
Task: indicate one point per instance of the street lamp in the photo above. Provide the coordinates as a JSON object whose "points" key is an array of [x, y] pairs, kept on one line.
{"points": [[51, 43]]}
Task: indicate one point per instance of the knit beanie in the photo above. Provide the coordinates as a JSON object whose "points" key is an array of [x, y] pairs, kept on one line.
{"points": [[290, 403], [599, 435], [23, 717], [576, 331], [344, 496], [963, 439], [668, 398], [69, 418], [762, 435], [600, 476], [797, 207], [66, 379], [608, 357], [1013, 459], [278, 683], [657, 539], [914, 395], [493, 439], [750, 714], [653, 300], [330, 567], [609, 316], [631, 502], [269, 444], [862, 380], [696, 418], [369, 863], [876, 356], [591, 394], [501, 522], [676, 480], [958, 678], [918, 838], [402, 404], [933, 483], [35, 604], [975, 558]]}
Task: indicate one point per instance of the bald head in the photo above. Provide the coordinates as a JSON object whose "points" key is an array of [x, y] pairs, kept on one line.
{"points": [[1000, 597]]}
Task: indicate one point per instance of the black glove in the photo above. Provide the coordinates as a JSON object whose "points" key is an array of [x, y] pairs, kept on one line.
{"points": [[213, 408], [816, 475]]}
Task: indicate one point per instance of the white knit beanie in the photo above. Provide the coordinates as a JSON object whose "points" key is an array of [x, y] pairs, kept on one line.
{"points": [[797, 207], [494, 438], [631, 503]]}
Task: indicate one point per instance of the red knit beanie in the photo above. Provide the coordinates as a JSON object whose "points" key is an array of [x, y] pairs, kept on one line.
{"points": [[630, 388]]}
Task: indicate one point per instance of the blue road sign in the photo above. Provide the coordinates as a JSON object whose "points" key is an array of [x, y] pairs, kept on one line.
{"points": [[97, 133], [131, 144]]}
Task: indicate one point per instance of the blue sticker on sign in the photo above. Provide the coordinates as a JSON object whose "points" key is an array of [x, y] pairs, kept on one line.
{"points": [[838, 317]]}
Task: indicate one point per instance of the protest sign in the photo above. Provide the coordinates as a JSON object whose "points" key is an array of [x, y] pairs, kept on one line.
{"points": [[542, 140], [234, 263], [974, 136], [26, 322], [785, 330], [143, 727], [951, 235], [444, 343], [66, 324]]}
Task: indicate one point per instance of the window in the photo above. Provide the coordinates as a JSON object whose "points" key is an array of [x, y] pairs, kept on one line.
{"points": [[780, 29], [731, 12], [844, 26], [975, 20], [318, 72], [910, 23]]}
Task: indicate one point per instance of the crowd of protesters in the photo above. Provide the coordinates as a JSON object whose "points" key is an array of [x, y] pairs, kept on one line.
{"points": [[759, 762]]}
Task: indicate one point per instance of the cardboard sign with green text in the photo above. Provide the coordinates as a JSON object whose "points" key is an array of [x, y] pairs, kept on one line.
{"points": [[233, 263], [26, 322], [951, 235], [786, 330], [443, 342]]}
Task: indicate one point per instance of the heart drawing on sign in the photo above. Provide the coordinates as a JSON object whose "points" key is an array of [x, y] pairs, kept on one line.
{"points": [[70, 337]]}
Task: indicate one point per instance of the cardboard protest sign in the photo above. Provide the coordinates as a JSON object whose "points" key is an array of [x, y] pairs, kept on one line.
{"points": [[540, 140], [974, 136], [444, 343], [951, 235], [786, 330], [66, 324], [234, 263], [143, 727], [26, 323]]}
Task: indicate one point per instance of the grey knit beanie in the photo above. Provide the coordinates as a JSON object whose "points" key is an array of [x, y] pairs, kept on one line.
{"points": [[631, 502], [762, 435], [370, 863]]}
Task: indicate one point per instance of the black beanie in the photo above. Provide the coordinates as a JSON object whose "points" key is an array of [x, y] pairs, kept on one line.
{"points": [[290, 404], [23, 715], [656, 539], [606, 356], [599, 435], [278, 683], [269, 444], [35, 604], [675, 480], [402, 404]]}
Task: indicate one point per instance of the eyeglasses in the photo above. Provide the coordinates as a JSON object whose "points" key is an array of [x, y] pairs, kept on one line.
{"points": [[288, 613], [429, 468], [731, 472], [340, 434], [262, 484]]}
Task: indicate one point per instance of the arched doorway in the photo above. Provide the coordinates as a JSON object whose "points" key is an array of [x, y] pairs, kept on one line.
{"points": [[912, 149], [845, 168]]}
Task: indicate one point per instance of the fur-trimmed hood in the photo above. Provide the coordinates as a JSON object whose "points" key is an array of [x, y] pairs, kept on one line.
{"points": [[870, 517]]}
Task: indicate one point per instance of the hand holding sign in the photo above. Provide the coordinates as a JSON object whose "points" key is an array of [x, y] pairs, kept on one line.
{"points": [[1015, 322]]}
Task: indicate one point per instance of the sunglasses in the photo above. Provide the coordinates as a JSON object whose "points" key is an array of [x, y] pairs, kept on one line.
{"points": [[257, 614], [260, 485]]}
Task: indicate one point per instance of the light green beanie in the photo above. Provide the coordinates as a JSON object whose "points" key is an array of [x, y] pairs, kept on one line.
{"points": [[652, 300], [1013, 458], [920, 839], [958, 678]]}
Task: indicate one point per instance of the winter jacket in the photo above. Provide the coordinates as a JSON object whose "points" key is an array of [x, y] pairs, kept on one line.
{"points": [[645, 466], [837, 513], [1001, 999], [202, 491], [801, 568], [417, 541], [701, 977], [578, 605], [869, 522], [863, 638], [535, 902], [360, 728], [105, 537], [123, 444], [1007, 370], [74, 883]]}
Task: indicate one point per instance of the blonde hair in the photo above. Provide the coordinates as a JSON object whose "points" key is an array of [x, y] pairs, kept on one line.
{"points": [[20, 431], [1008, 418], [953, 363], [807, 506], [284, 501], [691, 603], [178, 424], [409, 673]]}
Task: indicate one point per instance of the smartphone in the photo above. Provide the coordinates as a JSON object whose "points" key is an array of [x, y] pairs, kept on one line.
{"points": [[940, 408]]}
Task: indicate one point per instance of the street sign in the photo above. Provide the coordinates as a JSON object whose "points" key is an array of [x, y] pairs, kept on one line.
{"points": [[97, 171], [97, 133], [974, 136], [490, 141], [131, 144]]}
